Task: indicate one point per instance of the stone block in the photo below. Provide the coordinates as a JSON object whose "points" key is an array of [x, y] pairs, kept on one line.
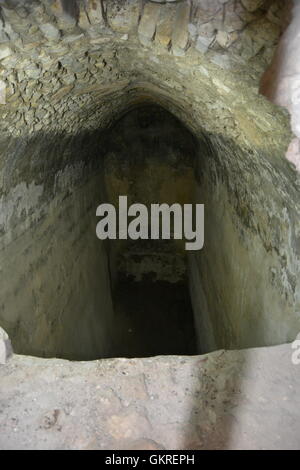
{"points": [[147, 26], [225, 39], [164, 26], [83, 18], [180, 35], [94, 11], [164, 32], [252, 5], [38, 12], [207, 30], [66, 12], [203, 43], [65, 8], [123, 16], [5, 51], [234, 18], [6, 350], [50, 32], [206, 11]]}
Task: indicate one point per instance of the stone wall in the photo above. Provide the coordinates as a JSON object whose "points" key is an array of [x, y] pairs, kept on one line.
{"points": [[58, 63], [151, 159], [51, 261], [280, 82], [245, 281], [68, 70]]}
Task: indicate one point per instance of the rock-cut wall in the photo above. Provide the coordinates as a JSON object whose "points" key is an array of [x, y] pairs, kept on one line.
{"points": [[68, 71]]}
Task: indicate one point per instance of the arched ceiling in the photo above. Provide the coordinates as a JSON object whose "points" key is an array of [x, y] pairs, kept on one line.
{"points": [[67, 67]]}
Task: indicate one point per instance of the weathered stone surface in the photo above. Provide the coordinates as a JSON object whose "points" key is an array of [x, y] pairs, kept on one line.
{"points": [[72, 38], [5, 51], [164, 32], [221, 60], [94, 11], [61, 93], [234, 17], [208, 18], [207, 30], [223, 400], [5, 347], [203, 43], [180, 35], [293, 152], [193, 31], [65, 9], [276, 13], [165, 25], [225, 39], [83, 17], [206, 11], [147, 26], [50, 31], [252, 5], [123, 16], [280, 82]]}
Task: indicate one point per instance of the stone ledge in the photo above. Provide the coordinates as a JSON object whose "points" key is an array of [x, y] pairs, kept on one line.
{"points": [[222, 400], [6, 350]]}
